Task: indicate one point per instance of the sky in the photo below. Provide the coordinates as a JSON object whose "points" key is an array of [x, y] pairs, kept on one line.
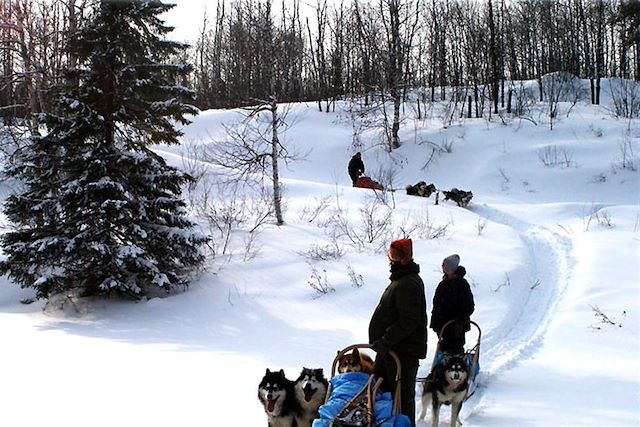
{"points": [[187, 16]]}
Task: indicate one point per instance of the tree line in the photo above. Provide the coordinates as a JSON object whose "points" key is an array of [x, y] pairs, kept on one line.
{"points": [[249, 49], [387, 47]]}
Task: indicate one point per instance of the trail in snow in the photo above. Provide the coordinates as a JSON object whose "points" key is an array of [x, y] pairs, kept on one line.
{"points": [[535, 290]]}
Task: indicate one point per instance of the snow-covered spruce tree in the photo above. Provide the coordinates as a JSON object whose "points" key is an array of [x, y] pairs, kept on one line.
{"points": [[100, 212]]}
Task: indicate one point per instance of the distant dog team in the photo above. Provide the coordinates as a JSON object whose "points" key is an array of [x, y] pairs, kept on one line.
{"points": [[421, 189]]}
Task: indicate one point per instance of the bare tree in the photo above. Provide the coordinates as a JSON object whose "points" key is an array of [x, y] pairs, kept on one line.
{"points": [[626, 97], [33, 57], [253, 150], [400, 19], [493, 54], [318, 57], [560, 87]]}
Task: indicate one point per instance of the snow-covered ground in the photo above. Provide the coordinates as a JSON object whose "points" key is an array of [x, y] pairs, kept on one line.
{"points": [[552, 254]]}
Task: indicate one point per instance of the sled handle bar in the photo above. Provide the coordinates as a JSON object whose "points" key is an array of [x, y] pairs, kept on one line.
{"points": [[394, 356], [453, 321]]}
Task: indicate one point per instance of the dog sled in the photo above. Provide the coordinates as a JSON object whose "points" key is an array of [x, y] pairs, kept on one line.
{"points": [[366, 182], [470, 356], [354, 399]]}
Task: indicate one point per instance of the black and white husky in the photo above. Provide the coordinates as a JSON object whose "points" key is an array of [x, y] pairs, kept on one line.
{"points": [[276, 393], [445, 385], [310, 391], [461, 197], [421, 189]]}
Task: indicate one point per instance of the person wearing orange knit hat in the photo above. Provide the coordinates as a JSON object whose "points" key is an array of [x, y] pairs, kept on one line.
{"points": [[399, 323]]}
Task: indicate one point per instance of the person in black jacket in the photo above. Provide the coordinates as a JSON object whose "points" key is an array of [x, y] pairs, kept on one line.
{"points": [[356, 167], [399, 323], [453, 300]]}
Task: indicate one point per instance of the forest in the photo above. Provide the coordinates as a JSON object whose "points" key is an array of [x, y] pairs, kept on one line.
{"points": [[378, 50]]}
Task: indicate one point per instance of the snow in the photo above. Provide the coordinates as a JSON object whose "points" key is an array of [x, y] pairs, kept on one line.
{"points": [[558, 246]]}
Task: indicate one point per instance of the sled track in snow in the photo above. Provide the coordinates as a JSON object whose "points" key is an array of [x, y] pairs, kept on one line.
{"points": [[536, 288]]}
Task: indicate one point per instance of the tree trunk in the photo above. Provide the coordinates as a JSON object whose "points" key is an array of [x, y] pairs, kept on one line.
{"points": [[72, 27], [395, 128], [475, 97], [396, 61], [599, 50], [275, 145], [637, 59], [494, 60]]}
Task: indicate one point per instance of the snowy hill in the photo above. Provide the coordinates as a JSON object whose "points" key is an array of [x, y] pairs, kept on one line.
{"points": [[552, 254]]}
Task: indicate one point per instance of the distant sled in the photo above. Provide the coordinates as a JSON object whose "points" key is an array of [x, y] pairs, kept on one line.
{"points": [[366, 182]]}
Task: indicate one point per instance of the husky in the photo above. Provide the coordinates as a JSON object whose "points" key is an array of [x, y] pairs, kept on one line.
{"points": [[420, 189], [445, 385], [461, 197], [355, 362], [310, 392], [276, 393]]}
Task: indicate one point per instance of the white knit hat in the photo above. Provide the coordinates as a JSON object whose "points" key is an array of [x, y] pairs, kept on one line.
{"points": [[451, 262]]}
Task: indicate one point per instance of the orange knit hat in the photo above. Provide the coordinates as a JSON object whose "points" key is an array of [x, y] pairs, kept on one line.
{"points": [[401, 251]]}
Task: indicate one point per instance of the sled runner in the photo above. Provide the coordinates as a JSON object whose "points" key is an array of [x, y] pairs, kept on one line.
{"points": [[471, 357], [354, 399], [366, 182]]}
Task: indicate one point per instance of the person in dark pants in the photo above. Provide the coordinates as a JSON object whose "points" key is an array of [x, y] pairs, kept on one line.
{"points": [[399, 323], [356, 167], [452, 300]]}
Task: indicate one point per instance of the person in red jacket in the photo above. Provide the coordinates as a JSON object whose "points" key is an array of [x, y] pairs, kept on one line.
{"points": [[453, 300]]}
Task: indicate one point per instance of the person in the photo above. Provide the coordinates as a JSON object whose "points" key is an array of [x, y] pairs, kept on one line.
{"points": [[399, 323], [356, 167], [452, 300]]}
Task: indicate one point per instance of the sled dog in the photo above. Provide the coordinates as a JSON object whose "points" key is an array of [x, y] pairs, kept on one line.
{"points": [[355, 362], [276, 393], [420, 189], [461, 197], [445, 385], [310, 392]]}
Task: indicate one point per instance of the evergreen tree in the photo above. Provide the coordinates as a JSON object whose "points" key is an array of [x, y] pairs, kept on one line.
{"points": [[100, 212]]}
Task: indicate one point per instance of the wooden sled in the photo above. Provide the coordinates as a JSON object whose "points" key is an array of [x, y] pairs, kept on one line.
{"points": [[472, 357], [359, 411]]}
